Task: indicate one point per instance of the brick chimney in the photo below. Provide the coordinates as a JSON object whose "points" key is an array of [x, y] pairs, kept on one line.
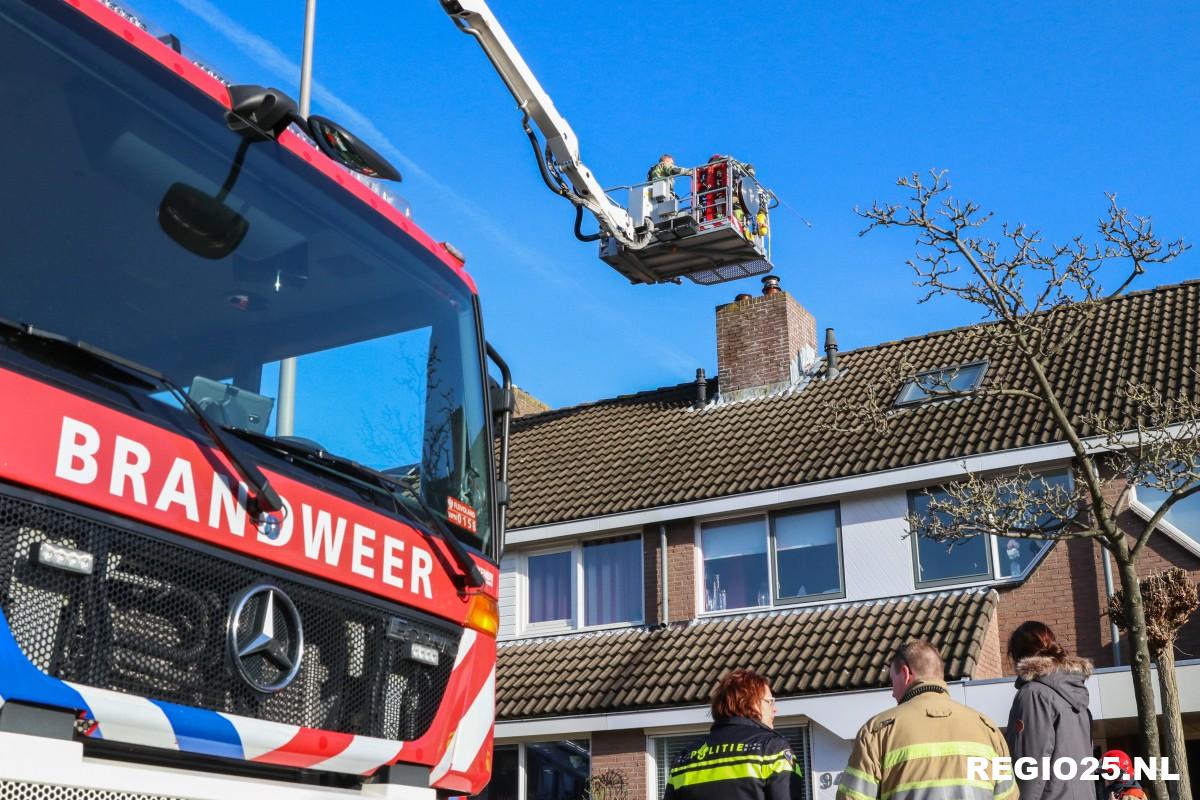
{"points": [[763, 343]]}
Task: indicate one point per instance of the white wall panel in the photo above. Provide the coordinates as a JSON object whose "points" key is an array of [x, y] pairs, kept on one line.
{"points": [[509, 596], [875, 552], [830, 753]]}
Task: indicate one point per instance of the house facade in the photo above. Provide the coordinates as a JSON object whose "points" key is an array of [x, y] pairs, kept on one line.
{"points": [[660, 539]]}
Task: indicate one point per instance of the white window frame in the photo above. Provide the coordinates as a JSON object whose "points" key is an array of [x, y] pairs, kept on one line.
{"points": [[773, 601], [1189, 541], [576, 620], [549, 626]]}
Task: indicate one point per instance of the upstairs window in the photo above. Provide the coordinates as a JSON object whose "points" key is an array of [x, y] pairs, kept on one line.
{"points": [[941, 382], [612, 580], [782, 557], [966, 560], [596, 582], [808, 560], [1016, 554], [1184, 516], [550, 587], [735, 564], [947, 562]]}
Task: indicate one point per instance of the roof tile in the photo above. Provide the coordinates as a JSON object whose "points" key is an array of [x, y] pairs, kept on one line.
{"points": [[653, 449], [653, 668]]}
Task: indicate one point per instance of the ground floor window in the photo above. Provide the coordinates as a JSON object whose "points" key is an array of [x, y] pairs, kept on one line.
{"points": [[667, 748], [555, 770], [506, 774]]}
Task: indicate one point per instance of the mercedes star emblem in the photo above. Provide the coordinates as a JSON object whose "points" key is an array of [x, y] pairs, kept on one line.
{"points": [[266, 639]]}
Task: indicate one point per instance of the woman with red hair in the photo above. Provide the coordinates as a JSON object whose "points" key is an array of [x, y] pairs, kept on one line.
{"points": [[1049, 715], [742, 758]]}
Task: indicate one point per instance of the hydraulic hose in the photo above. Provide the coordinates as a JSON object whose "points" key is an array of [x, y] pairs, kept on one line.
{"points": [[559, 189], [579, 234], [541, 162]]}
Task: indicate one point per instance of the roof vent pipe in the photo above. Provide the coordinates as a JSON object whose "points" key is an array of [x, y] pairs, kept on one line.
{"points": [[701, 388], [831, 355], [771, 285]]}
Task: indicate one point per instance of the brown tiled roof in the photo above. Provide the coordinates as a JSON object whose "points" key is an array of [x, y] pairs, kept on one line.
{"points": [[651, 449], [831, 649]]}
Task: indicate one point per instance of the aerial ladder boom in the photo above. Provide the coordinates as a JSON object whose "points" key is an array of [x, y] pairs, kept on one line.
{"points": [[719, 233], [475, 18]]}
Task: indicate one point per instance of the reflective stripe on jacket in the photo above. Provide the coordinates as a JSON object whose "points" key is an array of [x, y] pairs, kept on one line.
{"points": [[740, 759], [919, 751]]}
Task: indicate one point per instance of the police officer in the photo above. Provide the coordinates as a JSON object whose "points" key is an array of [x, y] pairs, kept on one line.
{"points": [[742, 758], [919, 750]]}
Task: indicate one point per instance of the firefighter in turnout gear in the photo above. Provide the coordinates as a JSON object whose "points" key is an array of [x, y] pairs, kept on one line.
{"points": [[919, 750], [666, 169], [742, 758]]}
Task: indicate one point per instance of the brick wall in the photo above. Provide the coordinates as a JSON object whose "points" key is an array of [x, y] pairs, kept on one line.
{"points": [[626, 752], [681, 570], [991, 662], [652, 570], [758, 340], [1066, 591]]}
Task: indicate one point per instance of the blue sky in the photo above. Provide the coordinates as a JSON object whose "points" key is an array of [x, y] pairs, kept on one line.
{"points": [[1036, 108]]}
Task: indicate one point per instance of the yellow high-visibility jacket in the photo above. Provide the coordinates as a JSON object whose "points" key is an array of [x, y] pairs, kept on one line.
{"points": [[919, 749]]}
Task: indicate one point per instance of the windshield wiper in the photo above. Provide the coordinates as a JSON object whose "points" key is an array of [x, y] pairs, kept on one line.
{"points": [[265, 499], [399, 491]]}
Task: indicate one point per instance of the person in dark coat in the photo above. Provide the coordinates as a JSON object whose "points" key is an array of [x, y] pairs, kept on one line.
{"points": [[742, 758], [1049, 715]]}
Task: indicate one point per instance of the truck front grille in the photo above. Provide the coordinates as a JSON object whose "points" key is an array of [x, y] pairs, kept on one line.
{"points": [[20, 790], [151, 621]]}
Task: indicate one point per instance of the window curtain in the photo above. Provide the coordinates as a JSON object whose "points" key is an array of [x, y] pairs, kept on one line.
{"points": [[550, 587]]}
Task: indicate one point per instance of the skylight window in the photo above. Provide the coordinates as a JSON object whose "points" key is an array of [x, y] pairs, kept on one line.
{"points": [[944, 382]]}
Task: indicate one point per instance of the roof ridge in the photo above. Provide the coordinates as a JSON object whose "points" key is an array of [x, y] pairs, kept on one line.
{"points": [[642, 394], [618, 398], [961, 328]]}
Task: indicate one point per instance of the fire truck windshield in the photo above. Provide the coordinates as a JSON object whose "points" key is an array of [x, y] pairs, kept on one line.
{"points": [[386, 337]]}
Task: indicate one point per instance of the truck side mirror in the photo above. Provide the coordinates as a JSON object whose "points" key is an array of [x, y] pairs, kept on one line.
{"points": [[346, 149]]}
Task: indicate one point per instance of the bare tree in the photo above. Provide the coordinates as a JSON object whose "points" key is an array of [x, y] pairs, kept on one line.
{"points": [[1169, 599], [1037, 298]]}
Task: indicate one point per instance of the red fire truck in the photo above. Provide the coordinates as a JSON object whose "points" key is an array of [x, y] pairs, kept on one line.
{"points": [[250, 504], [214, 586]]}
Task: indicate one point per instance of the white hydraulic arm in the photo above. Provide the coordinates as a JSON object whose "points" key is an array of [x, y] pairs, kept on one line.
{"points": [[561, 157]]}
